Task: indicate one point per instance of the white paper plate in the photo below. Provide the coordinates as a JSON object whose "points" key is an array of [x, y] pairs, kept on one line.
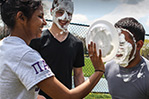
{"points": [[105, 35]]}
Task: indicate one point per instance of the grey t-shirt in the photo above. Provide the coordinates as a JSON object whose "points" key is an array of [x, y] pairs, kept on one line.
{"points": [[132, 83]]}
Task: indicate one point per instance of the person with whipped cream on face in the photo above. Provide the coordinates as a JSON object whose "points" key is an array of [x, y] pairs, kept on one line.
{"points": [[62, 51], [128, 74], [23, 72]]}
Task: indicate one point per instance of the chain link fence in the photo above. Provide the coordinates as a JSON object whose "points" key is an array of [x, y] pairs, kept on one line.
{"points": [[80, 31]]}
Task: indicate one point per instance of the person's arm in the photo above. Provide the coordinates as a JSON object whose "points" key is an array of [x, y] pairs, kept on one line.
{"points": [[40, 97], [57, 90], [78, 76]]}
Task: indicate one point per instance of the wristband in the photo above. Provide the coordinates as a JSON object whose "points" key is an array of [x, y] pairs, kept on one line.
{"points": [[100, 71]]}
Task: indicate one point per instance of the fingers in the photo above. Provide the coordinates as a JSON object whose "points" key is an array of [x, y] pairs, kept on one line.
{"points": [[91, 49], [96, 59], [94, 50], [100, 54]]}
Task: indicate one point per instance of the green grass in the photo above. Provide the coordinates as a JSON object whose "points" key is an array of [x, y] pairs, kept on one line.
{"points": [[88, 69], [98, 96]]}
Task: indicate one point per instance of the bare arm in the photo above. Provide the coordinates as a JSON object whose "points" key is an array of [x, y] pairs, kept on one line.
{"points": [[55, 89], [78, 76], [41, 97]]}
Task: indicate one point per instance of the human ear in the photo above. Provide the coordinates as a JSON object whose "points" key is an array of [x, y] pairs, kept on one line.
{"points": [[20, 16], [139, 44]]}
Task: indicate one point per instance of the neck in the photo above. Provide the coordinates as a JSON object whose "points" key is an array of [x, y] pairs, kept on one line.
{"points": [[54, 29], [19, 33], [56, 32], [135, 61]]}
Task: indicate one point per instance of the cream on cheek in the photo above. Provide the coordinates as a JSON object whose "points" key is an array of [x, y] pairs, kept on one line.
{"points": [[124, 51], [63, 17], [67, 7], [56, 21]]}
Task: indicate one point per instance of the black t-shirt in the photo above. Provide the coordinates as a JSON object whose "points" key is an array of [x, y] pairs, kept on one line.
{"points": [[60, 56]]}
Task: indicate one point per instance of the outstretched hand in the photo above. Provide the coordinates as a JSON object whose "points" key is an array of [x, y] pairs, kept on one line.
{"points": [[96, 60]]}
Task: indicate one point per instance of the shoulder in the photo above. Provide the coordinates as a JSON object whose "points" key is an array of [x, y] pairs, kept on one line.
{"points": [[111, 68], [30, 56], [25, 49], [111, 65], [146, 62], [145, 59], [45, 33], [75, 39], [27, 55], [18, 52], [36, 43]]}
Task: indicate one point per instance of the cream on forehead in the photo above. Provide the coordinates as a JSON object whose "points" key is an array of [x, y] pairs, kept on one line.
{"points": [[122, 38], [129, 33], [65, 5]]}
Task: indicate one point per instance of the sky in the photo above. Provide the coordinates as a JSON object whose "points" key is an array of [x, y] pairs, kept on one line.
{"points": [[88, 11]]}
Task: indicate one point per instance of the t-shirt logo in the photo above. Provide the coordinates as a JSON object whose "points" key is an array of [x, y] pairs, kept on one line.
{"points": [[40, 66]]}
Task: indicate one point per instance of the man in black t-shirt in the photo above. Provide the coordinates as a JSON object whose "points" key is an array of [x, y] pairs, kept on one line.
{"points": [[61, 50]]}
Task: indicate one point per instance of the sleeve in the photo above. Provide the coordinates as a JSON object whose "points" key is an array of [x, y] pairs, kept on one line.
{"points": [[106, 69], [79, 60], [32, 69], [148, 88], [147, 77]]}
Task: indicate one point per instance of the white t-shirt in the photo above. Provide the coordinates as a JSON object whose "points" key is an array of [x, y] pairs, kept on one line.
{"points": [[21, 68]]}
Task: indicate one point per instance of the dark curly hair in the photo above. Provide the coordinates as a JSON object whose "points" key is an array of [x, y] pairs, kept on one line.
{"points": [[9, 9], [133, 26]]}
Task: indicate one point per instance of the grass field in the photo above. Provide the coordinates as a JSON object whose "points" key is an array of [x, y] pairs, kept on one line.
{"points": [[88, 70], [98, 96]]}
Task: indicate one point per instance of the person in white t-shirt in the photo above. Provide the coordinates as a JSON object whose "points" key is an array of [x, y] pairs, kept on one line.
{"points": [[22, 70]]}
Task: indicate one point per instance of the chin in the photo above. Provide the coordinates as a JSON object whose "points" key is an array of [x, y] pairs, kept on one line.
{"points": [[38, 36]]}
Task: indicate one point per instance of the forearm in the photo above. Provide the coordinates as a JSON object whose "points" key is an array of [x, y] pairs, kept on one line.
{"points": [[82, 90], [78, 79], [40, 97], [57, 90]]}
